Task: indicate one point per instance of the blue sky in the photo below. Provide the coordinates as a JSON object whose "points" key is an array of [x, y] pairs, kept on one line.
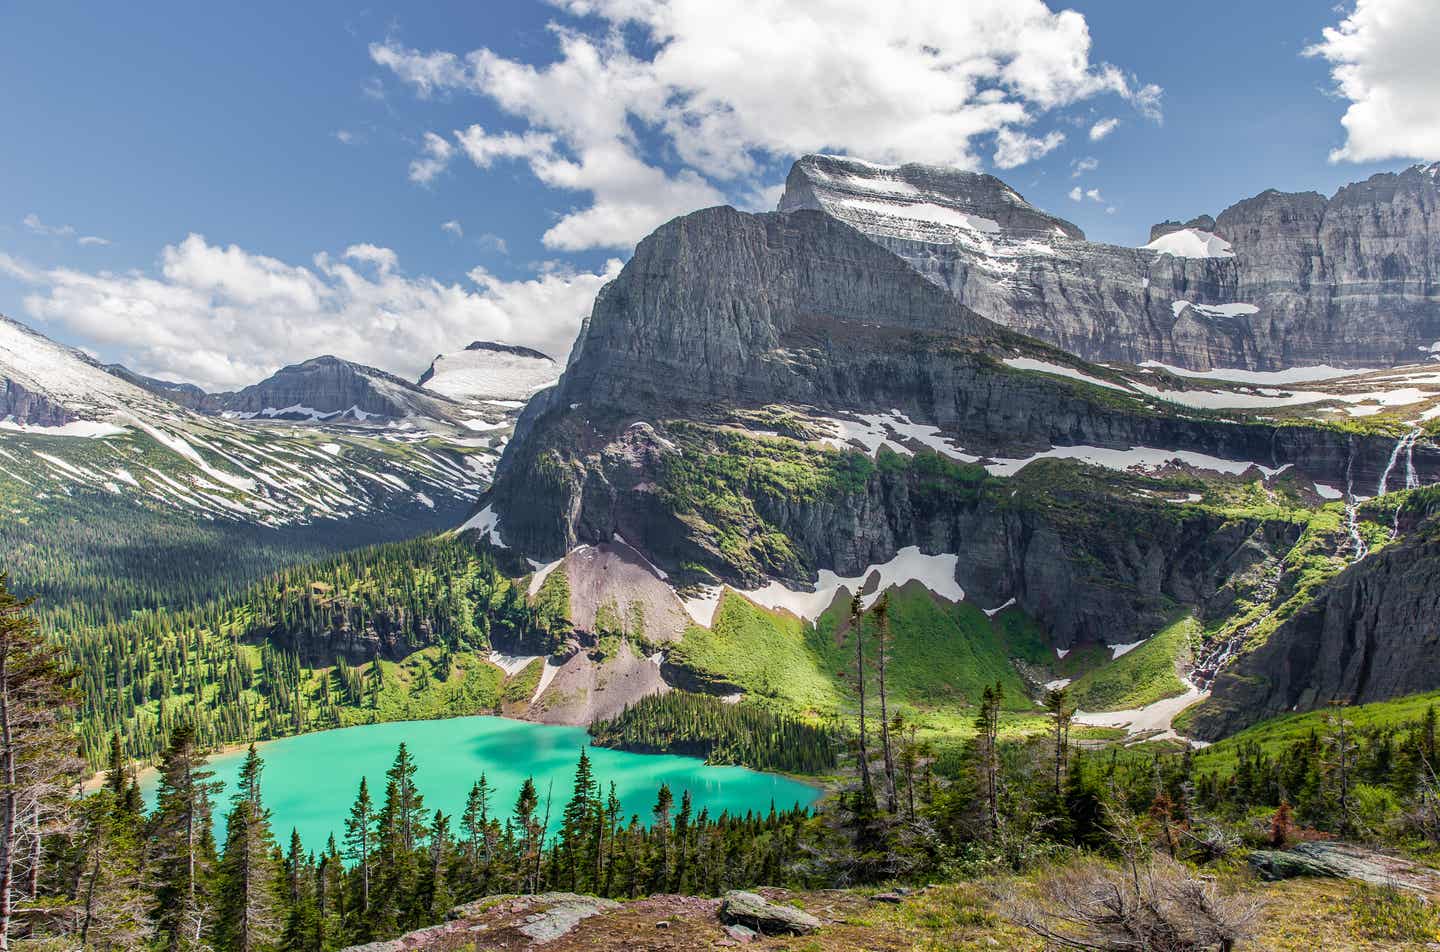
{"points": [[280, 132]]}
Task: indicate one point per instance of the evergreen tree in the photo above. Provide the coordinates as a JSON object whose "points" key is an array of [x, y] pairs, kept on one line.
{"points": [[576, 823], [183, 846], [360, 844], [247, 907], [36, 698]]}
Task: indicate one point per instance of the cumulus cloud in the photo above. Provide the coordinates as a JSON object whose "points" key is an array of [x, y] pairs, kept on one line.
{"points": [[434, 158], [1081, 166], [1383, 61], [453, 228], [1103, 128], [224, 317], [723, 92], [1013, 147], [1077, 194]]}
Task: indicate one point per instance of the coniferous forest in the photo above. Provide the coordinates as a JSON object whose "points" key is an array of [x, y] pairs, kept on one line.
{"points": [[198, 870]]}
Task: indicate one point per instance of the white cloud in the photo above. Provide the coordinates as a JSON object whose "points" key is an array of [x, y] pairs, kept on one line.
{"points": [[33, 224], [1013, 147], [1383, 60], [1081, 166], [724, 91], [1077, 194], [345, 136], [225, 317], [1093, 194], [493, 242], [433, 160], [1103, 128], [453, 228]]}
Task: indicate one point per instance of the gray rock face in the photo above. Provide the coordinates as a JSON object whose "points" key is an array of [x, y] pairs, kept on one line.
{"points": [[721, 310], [1344, 861], [25, 406], [186, 394], [330, 387], [758, 913], [1351, 280], [1372, 633]]}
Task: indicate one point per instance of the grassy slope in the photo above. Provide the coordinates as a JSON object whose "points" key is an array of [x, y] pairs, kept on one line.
{"points": [[1280, 732], [1141, 676]]}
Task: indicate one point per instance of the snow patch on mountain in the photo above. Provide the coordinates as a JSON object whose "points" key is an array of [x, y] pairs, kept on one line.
{"points": [[490, 372], [1192, 243], [1030, 363], [935, 572]]}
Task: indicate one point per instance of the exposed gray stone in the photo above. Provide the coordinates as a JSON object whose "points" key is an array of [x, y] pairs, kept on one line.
{"points": [[1344, 861], [767, 918], [1349, 280]]}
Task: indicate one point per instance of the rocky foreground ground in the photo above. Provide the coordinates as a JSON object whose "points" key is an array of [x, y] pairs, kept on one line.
{"points": [[1337, 914]]}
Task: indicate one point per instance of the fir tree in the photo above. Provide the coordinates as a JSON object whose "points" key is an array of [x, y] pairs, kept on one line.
{"points": [[247, 907], [183, 844]]}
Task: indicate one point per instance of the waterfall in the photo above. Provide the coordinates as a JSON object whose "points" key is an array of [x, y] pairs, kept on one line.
{"points": [[1412, 480], [1351, 524]]}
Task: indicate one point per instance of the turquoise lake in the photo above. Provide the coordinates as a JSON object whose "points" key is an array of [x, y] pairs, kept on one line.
{"points": [[310, 781]]}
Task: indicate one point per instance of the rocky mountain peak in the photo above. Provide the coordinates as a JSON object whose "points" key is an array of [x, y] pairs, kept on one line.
{"points": [[916, 200], [499, 348], [1198, 223]]}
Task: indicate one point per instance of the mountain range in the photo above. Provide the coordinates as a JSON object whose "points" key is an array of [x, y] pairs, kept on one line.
{"points": [[904, 376]]}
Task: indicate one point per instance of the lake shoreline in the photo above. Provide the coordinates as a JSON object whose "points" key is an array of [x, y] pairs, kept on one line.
{"points": [[546, 752]]}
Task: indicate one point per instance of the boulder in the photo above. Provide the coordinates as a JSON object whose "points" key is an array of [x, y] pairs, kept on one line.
{"points": [[756, 912], [1345, 861]]}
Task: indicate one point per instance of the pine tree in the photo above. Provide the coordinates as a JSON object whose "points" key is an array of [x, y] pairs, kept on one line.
{"points": [[660, 833], [1057, 705], [882, 658], [247, 906], [987, 729], [36, 765], [857, 628], [183, 844], [575, 822], [110, 891], [360, 843], [526, 803], [478, 836]]}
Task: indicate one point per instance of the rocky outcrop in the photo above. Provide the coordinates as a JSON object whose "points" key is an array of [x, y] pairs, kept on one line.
{"points": [[1278, 280], [721, 313], [23, 405], [1372, 633], [767, 918], [186, 394], [1328, 860], [329, 388]]}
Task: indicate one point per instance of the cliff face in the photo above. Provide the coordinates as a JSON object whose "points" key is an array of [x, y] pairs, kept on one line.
{"points": [[1373, 633], [326, 386], [1275, 281], [721, 313]]}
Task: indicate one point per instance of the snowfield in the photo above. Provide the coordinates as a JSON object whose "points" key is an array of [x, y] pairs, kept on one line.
{"points": [[1192, 243], [935, 572]]}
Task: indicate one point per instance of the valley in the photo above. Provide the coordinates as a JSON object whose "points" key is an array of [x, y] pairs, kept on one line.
{"points": [[828, 530]]}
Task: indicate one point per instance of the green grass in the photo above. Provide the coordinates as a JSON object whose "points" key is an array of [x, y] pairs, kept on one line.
{"points": [[520, 686], [1142, 675], [769, 655], [1278, 733], [424, 685], [941, 655]]}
